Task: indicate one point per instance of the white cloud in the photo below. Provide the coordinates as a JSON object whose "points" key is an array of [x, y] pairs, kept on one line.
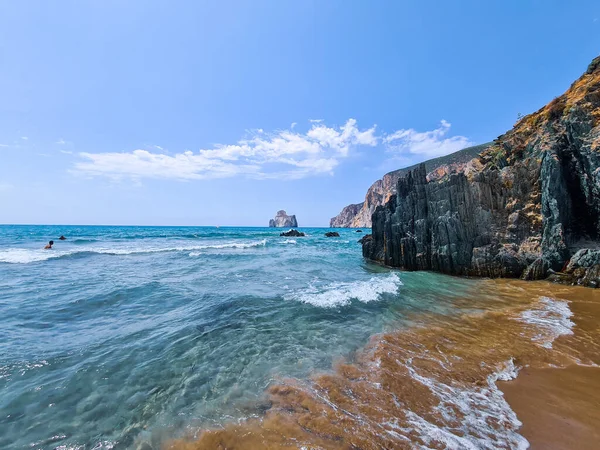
{"points": [[66, 152], [5, 187], [25, 138], [315, 120], [427, 143], [61, 141], [283, 154], [4, 145]]}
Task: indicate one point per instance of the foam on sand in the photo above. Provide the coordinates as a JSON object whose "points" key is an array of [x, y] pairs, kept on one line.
{"points": [[479, 408], [339, 294], [551, 319]]}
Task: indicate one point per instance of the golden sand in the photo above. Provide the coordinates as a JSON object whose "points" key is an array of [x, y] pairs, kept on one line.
{"points": [[433, 385], [559, 408]]}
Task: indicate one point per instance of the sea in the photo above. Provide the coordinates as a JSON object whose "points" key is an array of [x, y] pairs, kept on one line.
{"points": [[129, 337]]}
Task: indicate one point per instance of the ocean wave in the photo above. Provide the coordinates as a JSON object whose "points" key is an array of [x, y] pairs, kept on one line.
{"points": [[289, 241], [262, 243], [551, 319], [339, 294], [83, 241], [25, 256]]}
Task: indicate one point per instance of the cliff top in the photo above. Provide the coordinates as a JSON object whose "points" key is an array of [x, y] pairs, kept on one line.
{"points": [[529, 131]]}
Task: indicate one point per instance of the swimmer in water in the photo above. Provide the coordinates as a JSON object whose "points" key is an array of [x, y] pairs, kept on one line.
{"points": [[49, 246], [62, 238]]}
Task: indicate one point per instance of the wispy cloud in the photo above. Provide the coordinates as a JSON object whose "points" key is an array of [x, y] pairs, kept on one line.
{"points": [[283, 154], [25, 138], [61, 141], [66, 152], [426, 143]]}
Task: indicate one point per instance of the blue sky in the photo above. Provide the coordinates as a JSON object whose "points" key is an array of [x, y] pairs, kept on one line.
{"points": [[223, 112]]}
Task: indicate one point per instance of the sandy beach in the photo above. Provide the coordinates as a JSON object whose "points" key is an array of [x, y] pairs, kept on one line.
{"points": [[559, 408]]}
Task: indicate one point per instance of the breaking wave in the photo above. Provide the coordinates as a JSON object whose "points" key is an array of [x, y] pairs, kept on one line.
{"points": [[25, 256], [340, 294]]}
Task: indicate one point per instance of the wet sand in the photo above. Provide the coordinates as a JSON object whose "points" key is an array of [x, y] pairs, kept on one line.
{"points": [[559, 408], [435, 384]]}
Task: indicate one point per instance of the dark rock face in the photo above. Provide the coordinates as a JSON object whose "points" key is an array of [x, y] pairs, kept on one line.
{"points": [[519, 209], [332, 234], [292, 233], [282, 220], [359, 215], [359, 231], [366, 239], [583, 269]]}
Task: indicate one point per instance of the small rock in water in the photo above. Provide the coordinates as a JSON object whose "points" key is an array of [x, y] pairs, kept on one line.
{"points": [[292, 233], [332, 234], [359, 231]]}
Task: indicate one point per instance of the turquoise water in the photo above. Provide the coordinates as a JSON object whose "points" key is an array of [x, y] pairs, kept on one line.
{"points": [[127, 335]]}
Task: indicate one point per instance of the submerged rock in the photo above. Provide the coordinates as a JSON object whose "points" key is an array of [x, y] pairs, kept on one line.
{"points": [[292, 233], [359, 231], [332, 234], [516, 210], [282, 220]]}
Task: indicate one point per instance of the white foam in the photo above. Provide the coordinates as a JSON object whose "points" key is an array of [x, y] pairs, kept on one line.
{"points": [[24, 256], [551, 319], [339, 294], [475, 410], [289, 241]]}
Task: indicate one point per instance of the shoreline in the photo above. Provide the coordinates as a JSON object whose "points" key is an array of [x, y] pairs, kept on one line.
{"points": [[435, 384], [560, 406]]}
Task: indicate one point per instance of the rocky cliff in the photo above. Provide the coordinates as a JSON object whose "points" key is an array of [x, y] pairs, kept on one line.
{"points": [[359, 215], [526, 206], [345, 218], [282, 220]]}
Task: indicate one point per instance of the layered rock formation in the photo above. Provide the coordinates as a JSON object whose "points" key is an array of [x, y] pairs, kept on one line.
{"points": [[282, 220], [345, 218], [359, 215], [522, 208]]}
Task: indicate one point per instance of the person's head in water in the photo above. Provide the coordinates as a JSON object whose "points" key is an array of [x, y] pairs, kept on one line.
{"points": [[49, 246], [62, 238]]}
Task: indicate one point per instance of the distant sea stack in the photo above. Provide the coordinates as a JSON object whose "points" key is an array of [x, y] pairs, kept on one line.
{"points": [[282, 220], [359, 214], [527, 206]]}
